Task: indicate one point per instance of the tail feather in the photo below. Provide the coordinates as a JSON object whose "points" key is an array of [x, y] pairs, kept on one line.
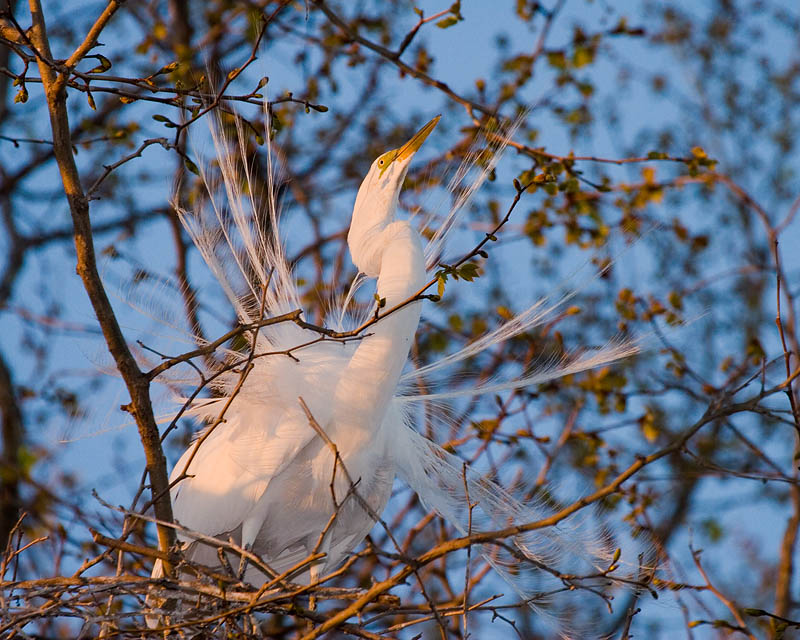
{"points": [[447, 485], [538, 565]]}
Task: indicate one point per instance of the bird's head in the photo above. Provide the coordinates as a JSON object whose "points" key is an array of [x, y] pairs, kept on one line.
{"points": [[376, 202]]}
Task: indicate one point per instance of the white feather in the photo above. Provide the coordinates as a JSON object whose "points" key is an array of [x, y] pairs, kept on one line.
{"points": [[263, 474]]}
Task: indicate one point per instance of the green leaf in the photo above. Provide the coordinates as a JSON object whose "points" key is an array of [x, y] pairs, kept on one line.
{"points": [[699, 152], [26, 458], [191, 166], [571, 186], [582, 57], [557, 59], [449, 21], [167, 68], [169, 124], [586, 89], [440, 285], [105, 64], [469, 271]]}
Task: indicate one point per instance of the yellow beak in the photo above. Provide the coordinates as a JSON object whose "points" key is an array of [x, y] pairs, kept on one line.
{"points": [[413, 145]]}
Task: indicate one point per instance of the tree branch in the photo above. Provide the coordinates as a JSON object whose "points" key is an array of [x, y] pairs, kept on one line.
{"points": [[138, 383]]}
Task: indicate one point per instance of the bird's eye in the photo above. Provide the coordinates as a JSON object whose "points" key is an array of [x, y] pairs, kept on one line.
{"points": [[380, 162]]}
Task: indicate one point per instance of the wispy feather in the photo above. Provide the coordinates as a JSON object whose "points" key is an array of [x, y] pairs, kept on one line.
{"points": [[237, 235]]}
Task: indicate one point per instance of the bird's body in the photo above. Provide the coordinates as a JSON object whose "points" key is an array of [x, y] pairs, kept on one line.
{"points": [[279, 509], [264, 476]]}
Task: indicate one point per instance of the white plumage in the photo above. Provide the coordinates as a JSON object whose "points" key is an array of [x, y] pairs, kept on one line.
{"points": [[263, 475]]}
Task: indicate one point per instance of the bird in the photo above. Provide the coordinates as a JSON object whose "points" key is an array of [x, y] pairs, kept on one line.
{"points": [[263, 478], [300, 454]]}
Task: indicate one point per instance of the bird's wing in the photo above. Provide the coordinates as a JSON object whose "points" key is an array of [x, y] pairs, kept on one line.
{"points": [[233, 467], [264, 428], [235, 228], [541, 313], [540, 373]]}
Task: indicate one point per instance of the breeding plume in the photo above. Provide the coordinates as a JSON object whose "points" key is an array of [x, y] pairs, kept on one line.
{"points": [[262, 474]]}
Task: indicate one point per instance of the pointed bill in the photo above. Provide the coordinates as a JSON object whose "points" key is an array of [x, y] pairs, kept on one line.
{"points": [[413, 145]]}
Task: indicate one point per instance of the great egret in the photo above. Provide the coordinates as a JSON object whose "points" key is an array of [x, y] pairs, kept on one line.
{"points": [[263, 475]]}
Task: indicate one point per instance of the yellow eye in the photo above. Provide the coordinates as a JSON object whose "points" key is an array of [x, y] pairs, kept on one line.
{"points": [[385, 161]]}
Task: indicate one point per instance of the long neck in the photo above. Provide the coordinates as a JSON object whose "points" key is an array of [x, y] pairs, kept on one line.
{"points": [[370, 380], [374, 211]]}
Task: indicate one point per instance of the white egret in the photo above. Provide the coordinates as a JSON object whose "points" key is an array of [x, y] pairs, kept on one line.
{"points": [[263, 475]]}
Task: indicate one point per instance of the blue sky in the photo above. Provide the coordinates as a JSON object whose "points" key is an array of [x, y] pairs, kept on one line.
{"points": [[111, 462]]}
